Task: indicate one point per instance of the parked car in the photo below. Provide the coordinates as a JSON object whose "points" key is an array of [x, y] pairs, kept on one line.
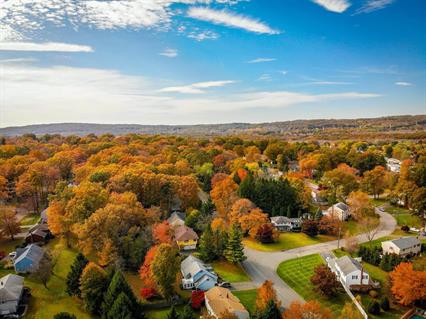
{"points": [[12, 254], [224, 284]]}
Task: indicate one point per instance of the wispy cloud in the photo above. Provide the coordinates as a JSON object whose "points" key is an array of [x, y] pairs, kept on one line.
{"points": [[203, 35], [195, 88], [230, 19], [328, 83], [60, 93], [18, 60], [374, 5], [283, 72], [337, 6], [44, 47], [265, 77], [403, 83], [261, 60], [170, 53]]}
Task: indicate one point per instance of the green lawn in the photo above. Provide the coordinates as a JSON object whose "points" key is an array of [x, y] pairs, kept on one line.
{"points": [[247, 298], [288, 241], [340, 253], [30, 219], [45, 303], [160, 313], [230, 272], [8, 245], [297, 273], [409, 220]]}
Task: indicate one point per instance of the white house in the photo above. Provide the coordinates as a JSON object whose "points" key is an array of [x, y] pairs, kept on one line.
{"points": [[11, 289], [282, 223], [339, 210], [403, 246], [196, 274], [393, 165], [220, 300], [349, 271]]}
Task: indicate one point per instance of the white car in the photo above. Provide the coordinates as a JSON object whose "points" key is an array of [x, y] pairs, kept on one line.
{"points": [[12, 254]]}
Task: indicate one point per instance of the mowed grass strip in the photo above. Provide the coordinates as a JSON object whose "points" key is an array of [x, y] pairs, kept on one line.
{"points": [[288, 241], [247, 298], [297, 274], [230, 272]]}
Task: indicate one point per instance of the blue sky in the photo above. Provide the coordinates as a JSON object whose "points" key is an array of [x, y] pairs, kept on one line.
{"points": [[210, 61]]}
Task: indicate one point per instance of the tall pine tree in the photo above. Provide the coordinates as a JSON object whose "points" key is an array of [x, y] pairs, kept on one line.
{"points": [[206, 245], [73, 278], [119, 286], [271, 311], [121, 308], [187, 313], [172, 314], [234, 251]]}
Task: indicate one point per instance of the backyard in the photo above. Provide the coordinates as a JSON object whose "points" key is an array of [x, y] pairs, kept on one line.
{"points": [[288, 241], [297, 273]]}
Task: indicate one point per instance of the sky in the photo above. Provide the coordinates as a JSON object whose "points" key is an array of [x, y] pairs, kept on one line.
{"points": [[210, 61]]}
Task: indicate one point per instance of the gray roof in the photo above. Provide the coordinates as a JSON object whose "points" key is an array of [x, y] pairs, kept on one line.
{"points": [[11, 287], [406, 242], [341, 206], [348, 264], [40, 227], [176, 216], [280, 219], [191, 266], [32, 252], [43, 216]]}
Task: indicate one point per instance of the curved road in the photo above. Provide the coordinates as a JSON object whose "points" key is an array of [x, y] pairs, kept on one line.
{"points": [[261, 266]]}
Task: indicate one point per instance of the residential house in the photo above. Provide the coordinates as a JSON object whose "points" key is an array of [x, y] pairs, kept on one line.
{"points": [[404, 246], [393, 165], [220, 300], [11, 291], [197, 275], [339, 210], [177, 218], [282, 223], [185, 237], [315, 194], [27, 259], [43, 217], [39, 233], [349, 271]]}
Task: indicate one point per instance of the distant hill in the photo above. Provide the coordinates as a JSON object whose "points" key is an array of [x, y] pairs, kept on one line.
{"points": [[297, 128]]}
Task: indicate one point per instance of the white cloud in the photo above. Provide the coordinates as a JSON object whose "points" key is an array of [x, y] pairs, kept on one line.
{"points": [[403, 83], [374, 5], [60, 93], [170, 53], [44, 47], [337, 6], [203, 35], [329, 83], [195, 88], [230, 19], [18, 60], [265, 77], [261, 60], [283, 72], [25, 17]]}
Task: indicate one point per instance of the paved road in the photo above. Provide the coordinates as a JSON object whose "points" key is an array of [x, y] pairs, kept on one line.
{"points": [[261, 266]]}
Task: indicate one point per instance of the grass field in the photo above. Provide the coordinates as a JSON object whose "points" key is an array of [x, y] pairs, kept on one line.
{"points": [[247, 298], [30, 219], [160, 313], [230, 272], [408, 219], [8, 245], [297, 273], [288, 241]]}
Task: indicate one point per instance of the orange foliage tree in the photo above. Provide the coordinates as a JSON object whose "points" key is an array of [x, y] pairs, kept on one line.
{"points": [[265, 294], [310, 309], [408, 285]]}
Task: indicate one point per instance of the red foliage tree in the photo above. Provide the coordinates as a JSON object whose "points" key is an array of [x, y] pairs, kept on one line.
{"points": [[197, 299], [148, 293]]}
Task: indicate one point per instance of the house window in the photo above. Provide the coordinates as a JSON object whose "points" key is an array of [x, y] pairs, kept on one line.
{"points": [[354, 277]]}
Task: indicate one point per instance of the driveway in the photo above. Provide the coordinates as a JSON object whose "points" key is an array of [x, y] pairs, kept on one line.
{"points": [[261, 266]]}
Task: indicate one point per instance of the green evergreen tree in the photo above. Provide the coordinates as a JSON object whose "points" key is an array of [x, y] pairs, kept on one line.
{"points": [[172, 314], [220, 239], [234, 251], [117, 286], [73, 277], [121, 308], [271, 311], [64, 315], [206, 245], [187, 313]]}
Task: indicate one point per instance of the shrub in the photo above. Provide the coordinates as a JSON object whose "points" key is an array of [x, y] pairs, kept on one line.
{"points": [[148, 293], [64, 315], [197, 299], [405, 228], [374, 307], [373, 294], [384, 303]]}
